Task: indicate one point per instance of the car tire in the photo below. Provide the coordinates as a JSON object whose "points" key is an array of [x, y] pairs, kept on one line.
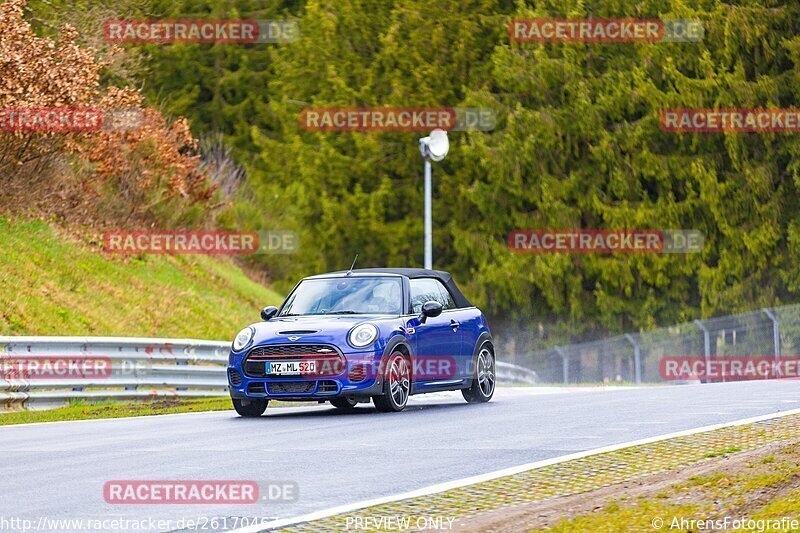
{"points": [[250, 407], [483, 384], [397, 385], [344, 403]]}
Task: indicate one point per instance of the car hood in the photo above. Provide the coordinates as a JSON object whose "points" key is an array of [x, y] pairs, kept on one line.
{"points": [[316, 328]]}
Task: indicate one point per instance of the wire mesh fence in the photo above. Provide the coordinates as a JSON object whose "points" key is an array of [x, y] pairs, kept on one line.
{"points": [[771, 334]]}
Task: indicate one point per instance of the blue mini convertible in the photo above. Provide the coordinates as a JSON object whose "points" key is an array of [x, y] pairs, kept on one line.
{"points": [[377, 333]]}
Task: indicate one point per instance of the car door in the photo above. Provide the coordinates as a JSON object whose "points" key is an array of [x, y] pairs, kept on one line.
{"points": [[469, 324], [438, 341], [463, 321]]}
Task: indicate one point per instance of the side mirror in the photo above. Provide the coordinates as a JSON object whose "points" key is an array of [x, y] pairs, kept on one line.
{"points": [[430, 309], [268, 312]]}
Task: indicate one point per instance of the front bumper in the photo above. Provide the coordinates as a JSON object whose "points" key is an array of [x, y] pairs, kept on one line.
{"points": [[309, 387]]}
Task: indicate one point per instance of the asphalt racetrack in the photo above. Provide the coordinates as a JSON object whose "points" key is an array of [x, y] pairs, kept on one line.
{"points": [[58, 470]]}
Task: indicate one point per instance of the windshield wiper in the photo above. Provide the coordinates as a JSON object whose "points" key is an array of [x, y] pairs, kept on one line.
{"points": [[347, 312]]}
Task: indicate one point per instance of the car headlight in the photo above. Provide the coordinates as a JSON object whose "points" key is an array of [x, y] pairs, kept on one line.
{"points": [[243, 338], [362, 335]]}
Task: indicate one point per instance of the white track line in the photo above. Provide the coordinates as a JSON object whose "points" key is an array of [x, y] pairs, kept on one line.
{"points": [[442, 487]]}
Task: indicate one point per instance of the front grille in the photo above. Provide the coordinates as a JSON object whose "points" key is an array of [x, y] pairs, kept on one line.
{"points": [[291, 387], [235, 377], [285, 351], [327, 387], [330, 362]]}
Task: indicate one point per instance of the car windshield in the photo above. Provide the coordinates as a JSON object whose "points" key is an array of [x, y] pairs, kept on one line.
{"points": [[346, 296]]}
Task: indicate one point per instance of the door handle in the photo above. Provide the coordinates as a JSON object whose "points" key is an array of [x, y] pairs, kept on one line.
{"points": [[454, 325]]}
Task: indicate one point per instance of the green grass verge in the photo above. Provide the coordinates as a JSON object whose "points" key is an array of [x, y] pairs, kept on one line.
{"points": [[84, 411], [621, 518], [87, 411], [52, 285]]}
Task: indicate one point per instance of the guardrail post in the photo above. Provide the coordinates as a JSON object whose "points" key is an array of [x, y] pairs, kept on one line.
{"points": [[706, 343], [637, 358], [564, 363], [776, 337], [182, 363]]}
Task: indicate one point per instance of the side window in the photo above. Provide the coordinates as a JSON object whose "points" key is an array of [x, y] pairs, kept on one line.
{"points": [[426, 289], [447, 298], [423, 290]]}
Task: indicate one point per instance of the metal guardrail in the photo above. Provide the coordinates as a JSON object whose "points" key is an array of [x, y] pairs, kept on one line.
{"points": [[508, 373], [133, 368]]}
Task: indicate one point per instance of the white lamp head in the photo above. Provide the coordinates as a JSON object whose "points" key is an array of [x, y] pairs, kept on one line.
{"points": [[435, 146]]}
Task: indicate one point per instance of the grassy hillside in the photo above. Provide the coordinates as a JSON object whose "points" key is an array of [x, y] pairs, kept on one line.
{"points": [[53, 285]]}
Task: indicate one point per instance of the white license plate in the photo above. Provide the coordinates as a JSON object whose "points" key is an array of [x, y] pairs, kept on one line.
{"points": [[290, 368]]}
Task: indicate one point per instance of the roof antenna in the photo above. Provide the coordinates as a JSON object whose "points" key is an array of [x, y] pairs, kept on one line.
{"points": [[352, 266]]}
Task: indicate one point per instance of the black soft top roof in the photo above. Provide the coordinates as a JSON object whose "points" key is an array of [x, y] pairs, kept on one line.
{"points": [[414, 273]]}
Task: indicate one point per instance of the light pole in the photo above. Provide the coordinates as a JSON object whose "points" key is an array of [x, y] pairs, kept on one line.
{"points": [[433, 148]]}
